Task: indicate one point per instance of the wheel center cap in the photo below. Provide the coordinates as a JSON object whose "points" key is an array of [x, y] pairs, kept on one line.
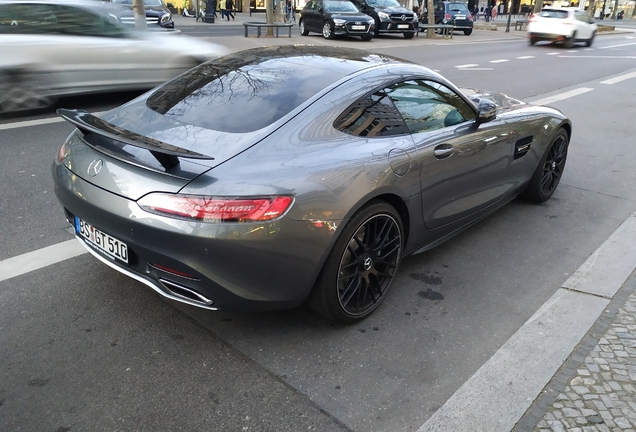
{"points": [[367, 263], [553, 165]]}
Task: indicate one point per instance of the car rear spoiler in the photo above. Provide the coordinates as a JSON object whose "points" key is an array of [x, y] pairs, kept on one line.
{"points": [[167, 154]]}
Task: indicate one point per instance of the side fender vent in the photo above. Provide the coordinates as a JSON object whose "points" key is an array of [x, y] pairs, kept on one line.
{"points": [[522, 147]]}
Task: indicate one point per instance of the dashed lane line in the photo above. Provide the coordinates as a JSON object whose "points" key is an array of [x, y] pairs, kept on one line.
{"points": [[525, 57], [31, 261], [566, 95], [619, 78], [470, 65], [498, 61]]}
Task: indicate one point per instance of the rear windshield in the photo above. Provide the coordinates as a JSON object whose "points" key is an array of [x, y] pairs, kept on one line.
{"points": [[457, 7], [553, 14], [239, 94]]}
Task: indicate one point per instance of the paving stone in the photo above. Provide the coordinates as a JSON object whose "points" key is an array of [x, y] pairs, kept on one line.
{"points": [[614, 385], [622, 422]]}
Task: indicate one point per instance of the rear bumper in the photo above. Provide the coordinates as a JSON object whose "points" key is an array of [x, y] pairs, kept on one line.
{"points": [[547, 36], [229, 266]]}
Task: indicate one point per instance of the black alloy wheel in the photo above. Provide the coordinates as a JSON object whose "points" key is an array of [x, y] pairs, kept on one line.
{"points": [[302, 29], [548, 174], [360, 268]]}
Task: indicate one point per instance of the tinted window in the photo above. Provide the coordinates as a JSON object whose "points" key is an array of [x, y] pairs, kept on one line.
{"points": [[457, 7], [339, 6], [373, 115], [384, 3], [243, 92], [553, 14], [428, 105]]}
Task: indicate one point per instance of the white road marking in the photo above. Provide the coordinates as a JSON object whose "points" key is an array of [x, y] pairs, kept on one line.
{"points": [[27, 123], [566, 95], [500, 392], [525, 57], [597, 56], [40, 258], [617, 46], [476, 69], [619, 78], [498, 61], [467, 65], [553, 53]]}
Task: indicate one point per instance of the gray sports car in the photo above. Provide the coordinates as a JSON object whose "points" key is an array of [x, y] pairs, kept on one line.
{"points": [[283, 175]]}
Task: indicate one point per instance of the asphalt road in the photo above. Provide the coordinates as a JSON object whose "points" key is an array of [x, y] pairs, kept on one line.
{"points": [[84, 348]]}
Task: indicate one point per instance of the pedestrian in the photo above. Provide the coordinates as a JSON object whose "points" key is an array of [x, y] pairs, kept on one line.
{"points": [[222, 9], [416, 7], [475, 13], [487, 13], [493, 12], [228, 9]]}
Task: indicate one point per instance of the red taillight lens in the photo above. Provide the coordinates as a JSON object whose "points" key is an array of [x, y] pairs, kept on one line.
{"points": [[61, 154], [216, 209], [470, 17], [448, 17]]}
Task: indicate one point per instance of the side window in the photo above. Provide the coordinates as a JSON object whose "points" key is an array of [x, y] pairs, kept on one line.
{"points": [[373, 115], [428, 105], [80, 22], [18, 18]]}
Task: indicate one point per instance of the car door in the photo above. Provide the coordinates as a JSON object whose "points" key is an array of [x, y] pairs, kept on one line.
{"points": [[463, 165], [96, 54], [309, 16], [584, 26]]}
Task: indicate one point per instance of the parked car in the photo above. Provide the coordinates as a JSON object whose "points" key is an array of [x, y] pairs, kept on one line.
{"points": [[157, 13], [390, 16], [452, 13], [335, 18], [566, 25], [280, 175], [57, 48]]}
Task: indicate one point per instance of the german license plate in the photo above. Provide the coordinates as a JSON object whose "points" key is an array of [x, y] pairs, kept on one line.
{"points": [[403, 26], [102, 241], [358, 27], [460, 16]]}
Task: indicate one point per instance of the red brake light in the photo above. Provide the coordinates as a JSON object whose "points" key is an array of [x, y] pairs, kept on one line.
{"points": [[470, 17], [216, 209], [448, 17], [61, 154]]}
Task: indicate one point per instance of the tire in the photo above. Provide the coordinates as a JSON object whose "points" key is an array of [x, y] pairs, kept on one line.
{"points": [[366, 38], [20, 90], [358, 272], [468, 32], [409, 35], [327, 30], [548, 174], [569, 42], [376, 31], [533, 40], [590, 40], [301, 27]]}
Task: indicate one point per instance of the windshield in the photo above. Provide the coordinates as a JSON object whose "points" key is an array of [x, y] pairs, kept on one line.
{"points": [[457, 7], [146, 2], [340, 6], [385, 3], [562, 14]]}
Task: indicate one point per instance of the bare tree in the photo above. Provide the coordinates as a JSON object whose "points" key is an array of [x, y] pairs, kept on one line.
{"points": [[430, 8], [269, 16], [591, 7], [140, 15]]}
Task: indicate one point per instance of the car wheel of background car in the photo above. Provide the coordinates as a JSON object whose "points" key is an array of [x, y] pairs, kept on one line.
{"points": [[569, 42], [533, 40], [590, 40], [301, 27], [327, 30], [367, 37], [359, 269], [548, 174], [19, 91], [409, 35], [468, 32]]}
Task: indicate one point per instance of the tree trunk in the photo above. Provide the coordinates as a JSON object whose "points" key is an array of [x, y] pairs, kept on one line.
{"points": [[269, 16], [591, 7], [430, 12], [615, 10], [280, 11], [140, 15], [537, 6]]}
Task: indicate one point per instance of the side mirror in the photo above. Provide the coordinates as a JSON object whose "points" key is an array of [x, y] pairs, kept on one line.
{"points": [[486, 111]]}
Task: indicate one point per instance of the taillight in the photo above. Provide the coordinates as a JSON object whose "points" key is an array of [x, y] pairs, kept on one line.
{"points": [[470, 17], [216, 209], [61, 154], [448, 17]]}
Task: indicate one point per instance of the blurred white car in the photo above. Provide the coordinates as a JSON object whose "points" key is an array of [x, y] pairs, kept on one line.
{"points": [[54, 48], [567, 25]]}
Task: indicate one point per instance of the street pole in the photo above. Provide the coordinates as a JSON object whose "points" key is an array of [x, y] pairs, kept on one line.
{"points": [[509, 15]]}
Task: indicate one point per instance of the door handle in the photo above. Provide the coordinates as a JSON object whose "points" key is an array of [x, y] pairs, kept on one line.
{"points": [[443, 151]]}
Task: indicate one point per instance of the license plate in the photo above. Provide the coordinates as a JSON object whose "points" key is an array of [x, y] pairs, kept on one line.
{"points": [[403, 26], [358, 27], [460, 16], [102, 241]]}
